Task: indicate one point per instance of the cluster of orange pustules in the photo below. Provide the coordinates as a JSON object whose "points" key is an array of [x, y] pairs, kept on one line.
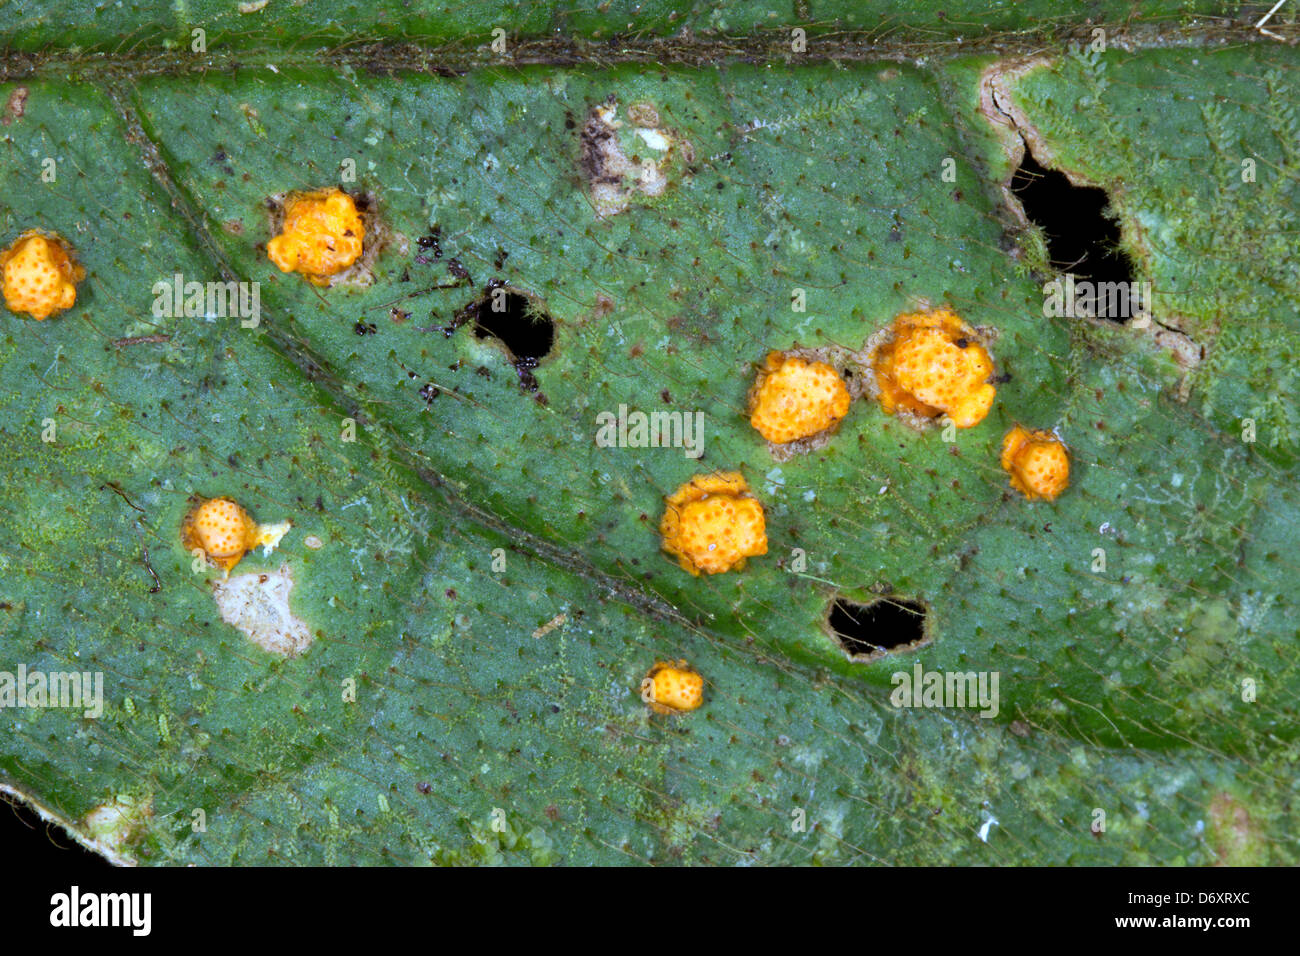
{"points": [[221, 529], [1037, 461], [39, 274], [795, 398], [224, 532], [712, 524], [935, 365], [672, 688], [322, 235]]}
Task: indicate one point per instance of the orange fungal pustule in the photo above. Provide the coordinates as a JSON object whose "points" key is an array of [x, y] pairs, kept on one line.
{"points": [[712, 523], [794, 398], [935, 364], [224, 531], [1037, 461], [40, 275], [322, 235], [672, 687]]}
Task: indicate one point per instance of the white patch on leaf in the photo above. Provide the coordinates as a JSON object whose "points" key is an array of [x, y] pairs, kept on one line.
{"points": [[614, 177], [112, 824], [257, 604]]}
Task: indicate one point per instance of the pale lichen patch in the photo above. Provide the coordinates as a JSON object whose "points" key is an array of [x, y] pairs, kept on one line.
{"points": [[258, 605], [622, 161], [1233, 835], [552, 624], [111, 825]]}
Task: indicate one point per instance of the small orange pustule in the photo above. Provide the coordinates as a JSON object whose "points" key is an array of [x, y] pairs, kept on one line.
{"points": [[1037, 461], [935, 364], [40, 275], [225, 532], [794, 398], [672, 688], [712, 523], [322, 235]]}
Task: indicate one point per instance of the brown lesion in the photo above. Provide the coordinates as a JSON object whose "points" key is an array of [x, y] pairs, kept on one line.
{"points": [[15, 106], [257, 605]]}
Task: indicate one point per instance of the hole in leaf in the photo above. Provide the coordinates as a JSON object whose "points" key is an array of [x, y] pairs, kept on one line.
{"points": [[517, 323], [1081, 238], [873, 630]]}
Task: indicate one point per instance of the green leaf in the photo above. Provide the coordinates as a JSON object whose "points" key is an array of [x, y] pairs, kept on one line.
{"points": [[483, 584]]}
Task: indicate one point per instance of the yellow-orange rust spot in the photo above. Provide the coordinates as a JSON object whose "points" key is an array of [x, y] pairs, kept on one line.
{"points": [[322, 235], [1037, 461], [225, 532], [672, 688], [712, 524], [794, 398], [40, 275], [935, 364]]}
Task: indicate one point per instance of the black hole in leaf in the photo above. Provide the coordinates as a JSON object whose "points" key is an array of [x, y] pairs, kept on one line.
{"points": [[884, 625], [510, 317], [1081, 238], [514, 320]]}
